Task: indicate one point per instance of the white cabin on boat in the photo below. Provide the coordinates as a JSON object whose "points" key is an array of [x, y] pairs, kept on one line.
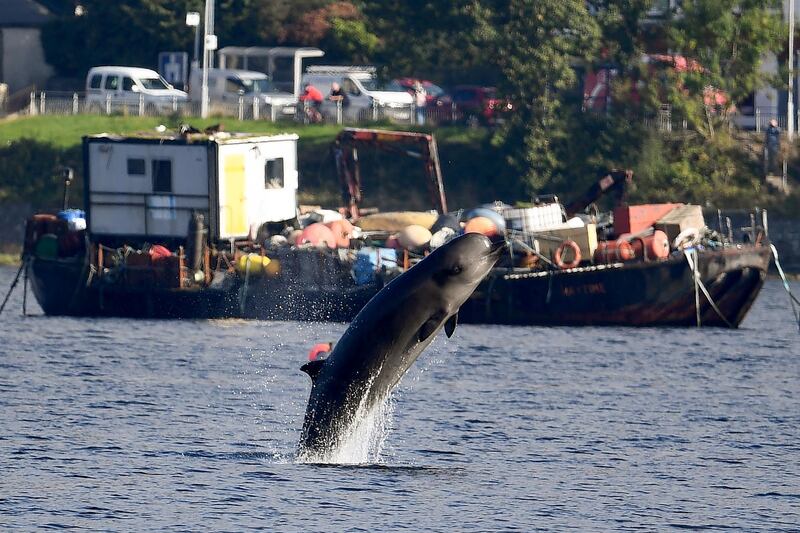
{"points": [[146, 187]]}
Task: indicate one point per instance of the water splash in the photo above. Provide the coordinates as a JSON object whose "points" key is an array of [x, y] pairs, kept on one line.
{"points": [[362, 442]]}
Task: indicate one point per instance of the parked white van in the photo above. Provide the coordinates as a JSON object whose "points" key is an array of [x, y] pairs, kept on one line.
{"points": [[228, 85], [361, 86], [130, 86]]}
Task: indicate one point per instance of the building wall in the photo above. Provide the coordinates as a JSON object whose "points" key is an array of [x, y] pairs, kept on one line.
{"points": [[23, 62]]}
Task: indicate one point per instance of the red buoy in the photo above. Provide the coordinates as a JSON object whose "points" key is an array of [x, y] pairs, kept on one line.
{"points": [[320, 351]]}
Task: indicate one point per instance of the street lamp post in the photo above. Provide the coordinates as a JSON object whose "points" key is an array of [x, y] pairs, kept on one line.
{"points": [[193, 20]]}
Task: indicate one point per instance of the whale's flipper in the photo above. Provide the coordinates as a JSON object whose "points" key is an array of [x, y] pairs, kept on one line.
{"points": [[313, 368], [450, 325]]}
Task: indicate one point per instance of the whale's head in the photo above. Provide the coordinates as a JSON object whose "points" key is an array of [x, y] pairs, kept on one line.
{"points": [[461, 264]]}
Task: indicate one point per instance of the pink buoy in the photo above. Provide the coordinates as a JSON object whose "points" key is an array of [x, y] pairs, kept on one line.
{"points": [[317, 234], [342, 231]]}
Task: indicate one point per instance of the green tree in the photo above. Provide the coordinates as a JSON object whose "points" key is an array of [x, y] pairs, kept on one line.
{"points": [[440, 41], [727, 39], [135, 31], [538, 43]]}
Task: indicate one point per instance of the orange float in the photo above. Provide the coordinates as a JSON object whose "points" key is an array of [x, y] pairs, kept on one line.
{"points": [[655, 246], [609, 251], [482, 225]]}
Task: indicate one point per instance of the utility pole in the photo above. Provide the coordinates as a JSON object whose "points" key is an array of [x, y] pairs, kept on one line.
{"points": [[790, 98], [209, 45]]}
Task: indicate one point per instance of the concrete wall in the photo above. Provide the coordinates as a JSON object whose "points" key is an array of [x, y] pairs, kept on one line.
{"points": [[23, 59]]}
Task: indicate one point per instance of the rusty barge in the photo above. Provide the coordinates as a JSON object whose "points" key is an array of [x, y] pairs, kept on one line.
{"points": [[206, 225]]}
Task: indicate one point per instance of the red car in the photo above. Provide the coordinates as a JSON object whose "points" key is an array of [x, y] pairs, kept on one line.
{"points": [[480, 105]]}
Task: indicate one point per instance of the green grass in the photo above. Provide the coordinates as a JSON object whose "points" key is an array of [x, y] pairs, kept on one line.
{"points": [[66, 131]]}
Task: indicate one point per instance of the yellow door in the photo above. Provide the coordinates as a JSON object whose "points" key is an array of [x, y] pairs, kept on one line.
{"points": [[235, 201]]}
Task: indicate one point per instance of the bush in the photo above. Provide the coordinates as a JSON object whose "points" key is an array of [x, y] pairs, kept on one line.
{"points": [[30, 173]]}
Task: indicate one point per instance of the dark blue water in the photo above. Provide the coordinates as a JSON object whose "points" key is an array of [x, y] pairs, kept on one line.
{"points": [[133, 425]]}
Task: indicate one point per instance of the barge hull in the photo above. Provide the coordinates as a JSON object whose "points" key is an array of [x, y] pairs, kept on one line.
{"points": [[624, 294], [63, 287]]}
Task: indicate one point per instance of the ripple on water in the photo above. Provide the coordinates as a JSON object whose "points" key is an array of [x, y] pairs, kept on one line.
{"points": [[193, 426]]}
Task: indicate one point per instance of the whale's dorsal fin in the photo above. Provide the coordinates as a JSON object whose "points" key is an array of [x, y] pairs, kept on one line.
{"points": [[450, 325], [313, 368]]}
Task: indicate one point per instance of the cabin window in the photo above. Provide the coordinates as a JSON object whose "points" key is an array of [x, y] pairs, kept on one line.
{"points": [[95, 81], [112, 82], [127, 84], [162, 175], [135, 166], [234, 86], [273, 174]]}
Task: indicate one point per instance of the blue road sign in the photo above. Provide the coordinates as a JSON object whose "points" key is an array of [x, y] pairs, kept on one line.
{"points": [[174, 67]]}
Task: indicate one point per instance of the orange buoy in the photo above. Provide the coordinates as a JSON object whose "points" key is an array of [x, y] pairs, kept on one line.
{"points": [[342, 231], [482, 225], [559, 258], [608, 251], [317, 234], [320, 351], [655, 246]]}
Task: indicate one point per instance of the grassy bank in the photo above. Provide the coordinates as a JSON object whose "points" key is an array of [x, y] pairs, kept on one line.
{"points": [[471, 174], [67, 131]]}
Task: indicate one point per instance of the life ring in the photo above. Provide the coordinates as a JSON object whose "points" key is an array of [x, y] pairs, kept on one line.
{"points": [[686, 238], [558, 258]]}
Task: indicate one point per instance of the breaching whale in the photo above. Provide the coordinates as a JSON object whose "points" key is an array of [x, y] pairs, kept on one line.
{"points": [[388, 335]]}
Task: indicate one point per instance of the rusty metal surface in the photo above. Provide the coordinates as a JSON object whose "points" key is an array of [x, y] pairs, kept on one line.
{"points": [[633, 294]]}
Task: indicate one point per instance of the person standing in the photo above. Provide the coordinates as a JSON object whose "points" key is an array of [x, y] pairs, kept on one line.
{"points": [[772, 146], [420, 101], [337, 94]]}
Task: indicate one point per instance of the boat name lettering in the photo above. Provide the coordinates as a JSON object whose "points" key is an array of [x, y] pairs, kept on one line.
{"points": [[591, 288]]}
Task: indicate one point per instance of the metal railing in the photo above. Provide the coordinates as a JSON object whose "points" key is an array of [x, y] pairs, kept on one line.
{"points": [[756, 119], [245, 108]]}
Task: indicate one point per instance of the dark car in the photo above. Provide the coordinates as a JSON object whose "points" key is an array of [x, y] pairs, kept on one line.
{"points": [[479, 105], [434, 95]]}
